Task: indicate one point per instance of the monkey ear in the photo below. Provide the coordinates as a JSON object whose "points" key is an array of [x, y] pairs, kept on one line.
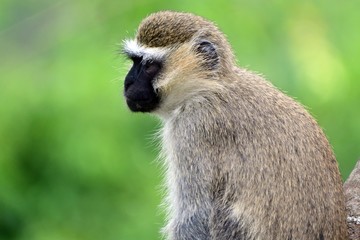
{"points": [[209, 53]]}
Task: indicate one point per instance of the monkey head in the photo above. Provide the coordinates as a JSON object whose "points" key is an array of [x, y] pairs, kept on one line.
{"points": [[175, 56]]}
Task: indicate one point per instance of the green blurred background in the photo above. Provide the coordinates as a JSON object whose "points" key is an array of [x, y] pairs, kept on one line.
{"points": [[76, 164]]}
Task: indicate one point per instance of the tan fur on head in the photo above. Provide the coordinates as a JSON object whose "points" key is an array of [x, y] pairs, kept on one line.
{"points": [[168, 28]]}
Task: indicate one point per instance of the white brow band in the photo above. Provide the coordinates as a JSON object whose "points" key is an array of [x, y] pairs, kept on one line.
{"points": [[131, 47]]}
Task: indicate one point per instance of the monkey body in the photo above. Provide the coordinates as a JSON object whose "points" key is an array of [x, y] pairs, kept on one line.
{"points": [[242, 159], [250, 172]]}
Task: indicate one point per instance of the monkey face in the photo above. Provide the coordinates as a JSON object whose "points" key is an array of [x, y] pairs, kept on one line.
{"points": [[161, 78], [139, 91], [173, 64]]}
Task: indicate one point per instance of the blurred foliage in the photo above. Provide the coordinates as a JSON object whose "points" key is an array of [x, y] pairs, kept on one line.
{"points": [[76, 164]]}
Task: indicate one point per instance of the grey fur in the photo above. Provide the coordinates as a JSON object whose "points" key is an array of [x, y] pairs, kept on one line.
{"points": [[254, 164], [352, 194]]}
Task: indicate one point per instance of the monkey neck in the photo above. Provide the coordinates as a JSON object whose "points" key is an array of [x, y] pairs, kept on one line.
{"points": [[188, 177]]}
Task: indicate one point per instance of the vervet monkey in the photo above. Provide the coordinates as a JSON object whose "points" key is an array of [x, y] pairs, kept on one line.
{"points": [[242, 159]]}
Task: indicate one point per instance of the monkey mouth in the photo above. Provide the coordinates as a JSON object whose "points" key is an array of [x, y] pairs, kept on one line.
{"points": [[142, 105]]}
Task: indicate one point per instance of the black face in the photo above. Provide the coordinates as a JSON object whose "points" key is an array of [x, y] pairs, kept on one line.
{"points": [[139, 92]]}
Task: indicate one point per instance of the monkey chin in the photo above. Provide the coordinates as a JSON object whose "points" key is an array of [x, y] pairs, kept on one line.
{"points": [[145, 106]]}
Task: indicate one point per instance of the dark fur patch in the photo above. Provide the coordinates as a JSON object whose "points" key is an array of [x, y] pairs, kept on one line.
{"points": [[208, 52], [228, 229], [196, 227]]}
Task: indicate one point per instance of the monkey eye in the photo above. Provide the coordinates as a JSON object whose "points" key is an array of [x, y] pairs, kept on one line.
{"points": [[152, 67], [136, 59]]}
